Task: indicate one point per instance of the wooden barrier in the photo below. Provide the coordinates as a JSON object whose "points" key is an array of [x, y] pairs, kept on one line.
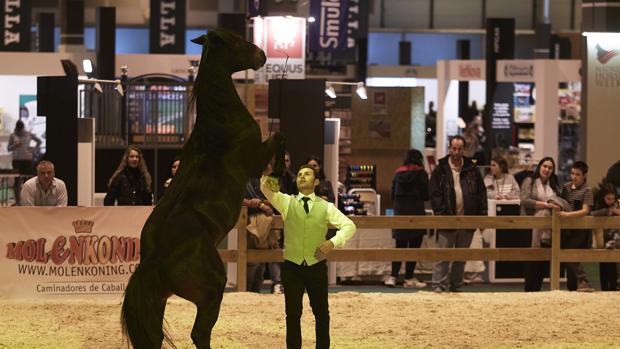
{"points": [[554, 254]]}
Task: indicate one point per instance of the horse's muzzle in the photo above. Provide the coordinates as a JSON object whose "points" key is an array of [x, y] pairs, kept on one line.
{"points": [[261, 59]]}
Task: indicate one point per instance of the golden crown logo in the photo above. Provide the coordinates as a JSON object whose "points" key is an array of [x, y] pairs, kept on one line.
{"points": [[83, 226]]}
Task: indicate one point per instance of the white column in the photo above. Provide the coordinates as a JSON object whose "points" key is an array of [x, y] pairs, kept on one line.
{"points": [[547, 109], [442, 90]]}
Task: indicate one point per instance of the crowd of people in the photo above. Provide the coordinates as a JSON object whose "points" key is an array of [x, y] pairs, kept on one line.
{"points": [[455, 187]]}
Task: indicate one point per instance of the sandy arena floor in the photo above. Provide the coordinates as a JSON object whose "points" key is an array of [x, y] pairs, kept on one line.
{"points": [[359, 320]]}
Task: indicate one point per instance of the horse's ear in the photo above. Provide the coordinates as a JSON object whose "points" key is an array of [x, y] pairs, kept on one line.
{"points": [[200, 40]]}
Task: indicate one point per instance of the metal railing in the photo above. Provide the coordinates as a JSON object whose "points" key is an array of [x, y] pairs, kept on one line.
{"points": [[10, 186], [243, 255], [137, 112]]}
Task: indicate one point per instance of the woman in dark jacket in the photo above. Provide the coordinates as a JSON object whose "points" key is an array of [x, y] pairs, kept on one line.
{"points": [[130, 184], [409, 191]]}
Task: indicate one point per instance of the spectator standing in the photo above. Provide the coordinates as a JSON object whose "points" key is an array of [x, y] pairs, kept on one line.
{"points": [[613, 176], [22, 154], [499, 183], [260, 233], [130, 184], [20, 146], [173, 171], [537, 193], [456, 188], [409, 191], [44, 189], [607, 205], [581, 200]]}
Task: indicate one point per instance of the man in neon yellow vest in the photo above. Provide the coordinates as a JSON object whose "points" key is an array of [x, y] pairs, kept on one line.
{"points": [[306, 218]]}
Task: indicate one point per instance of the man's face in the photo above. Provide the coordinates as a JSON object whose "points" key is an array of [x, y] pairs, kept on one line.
{"points": [[133, 159], [45, 173], [577, 177], [456, 150], [305, 180], [287, 161]]}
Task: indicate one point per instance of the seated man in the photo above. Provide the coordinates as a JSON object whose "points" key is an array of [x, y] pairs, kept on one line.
{"points": [[44, 189]]}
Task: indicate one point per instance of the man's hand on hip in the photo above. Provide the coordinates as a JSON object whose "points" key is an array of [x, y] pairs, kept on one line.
{"points": [[321, 252]]}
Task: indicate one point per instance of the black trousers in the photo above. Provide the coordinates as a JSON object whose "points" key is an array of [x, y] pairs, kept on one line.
{"points": [[536, 271], [297, 279], [416, 242], [609, 277]]}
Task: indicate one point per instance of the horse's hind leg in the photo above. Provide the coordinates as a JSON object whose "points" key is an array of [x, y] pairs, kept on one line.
{"points": [[199, 276]]}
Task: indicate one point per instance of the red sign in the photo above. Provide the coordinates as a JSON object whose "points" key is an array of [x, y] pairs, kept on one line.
{"points": [[284, 37]]}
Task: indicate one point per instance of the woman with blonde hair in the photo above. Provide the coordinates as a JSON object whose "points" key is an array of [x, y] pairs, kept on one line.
{"points": [[130, 185]]}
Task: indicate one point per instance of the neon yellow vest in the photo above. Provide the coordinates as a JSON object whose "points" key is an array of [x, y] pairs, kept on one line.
{"points": [[303, 233]]}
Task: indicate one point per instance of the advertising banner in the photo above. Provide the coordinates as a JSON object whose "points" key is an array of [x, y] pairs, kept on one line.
{"points": [[329, 32], [284, 41], [603, 90], [467, 70], [500, 43], [15, 25], [72, 252], [167, 26]]}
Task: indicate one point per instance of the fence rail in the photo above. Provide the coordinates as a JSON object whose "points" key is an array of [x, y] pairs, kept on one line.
{"points": [[554, 254]]}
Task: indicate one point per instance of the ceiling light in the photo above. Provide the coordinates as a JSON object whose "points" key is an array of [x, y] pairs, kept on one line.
{"points": [[329, 90], [311, 20], [87, 64]]}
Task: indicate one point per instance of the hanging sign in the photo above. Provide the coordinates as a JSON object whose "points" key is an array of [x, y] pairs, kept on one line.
{"points": [[284, 41], [329, 32], [167, 29], [15, 25]]}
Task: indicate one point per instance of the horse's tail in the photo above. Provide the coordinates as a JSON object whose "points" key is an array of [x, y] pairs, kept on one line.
{"points": [[142, 312]]}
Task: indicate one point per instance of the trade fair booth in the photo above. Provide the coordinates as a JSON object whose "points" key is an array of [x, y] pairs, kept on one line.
{"points": [[449, 74]]}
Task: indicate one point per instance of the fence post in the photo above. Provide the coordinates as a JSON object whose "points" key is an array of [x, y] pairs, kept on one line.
{"points": [[242, 250], [555, 251]]}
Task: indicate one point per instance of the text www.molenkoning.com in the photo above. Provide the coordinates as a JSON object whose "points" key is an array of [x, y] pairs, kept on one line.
{"points": [[76, 270]]}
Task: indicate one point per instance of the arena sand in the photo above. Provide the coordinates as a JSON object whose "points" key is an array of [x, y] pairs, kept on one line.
{"points": [[358, 320]]}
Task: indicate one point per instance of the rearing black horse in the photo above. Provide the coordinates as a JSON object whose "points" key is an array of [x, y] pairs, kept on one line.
{"points": [[178, 252]]}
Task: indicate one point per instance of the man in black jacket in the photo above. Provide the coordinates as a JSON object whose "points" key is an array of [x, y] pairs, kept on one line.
{"points": [[456, 189]]}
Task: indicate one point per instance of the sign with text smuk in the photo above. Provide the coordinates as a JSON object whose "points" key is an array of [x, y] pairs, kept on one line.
{"points": [[15, 25], [329, 32], [167, 26], [69, 252], [284, 41]]}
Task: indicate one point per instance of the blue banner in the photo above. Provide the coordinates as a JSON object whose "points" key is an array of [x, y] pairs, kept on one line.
{"points": [[254, 8], [329, 30]]}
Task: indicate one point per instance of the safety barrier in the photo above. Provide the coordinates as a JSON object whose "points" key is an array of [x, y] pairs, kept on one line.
{"points": [[554, 254]]}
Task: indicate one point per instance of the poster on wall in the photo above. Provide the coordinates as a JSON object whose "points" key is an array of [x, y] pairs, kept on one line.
{"points": [[501, 116], [284, 41], [524, 102]]}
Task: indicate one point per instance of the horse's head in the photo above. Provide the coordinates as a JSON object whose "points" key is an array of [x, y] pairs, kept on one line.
{"points": [[237, 52]]}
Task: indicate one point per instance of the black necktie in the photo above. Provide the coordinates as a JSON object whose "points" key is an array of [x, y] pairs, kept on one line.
{"points": [[306, 208]]}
